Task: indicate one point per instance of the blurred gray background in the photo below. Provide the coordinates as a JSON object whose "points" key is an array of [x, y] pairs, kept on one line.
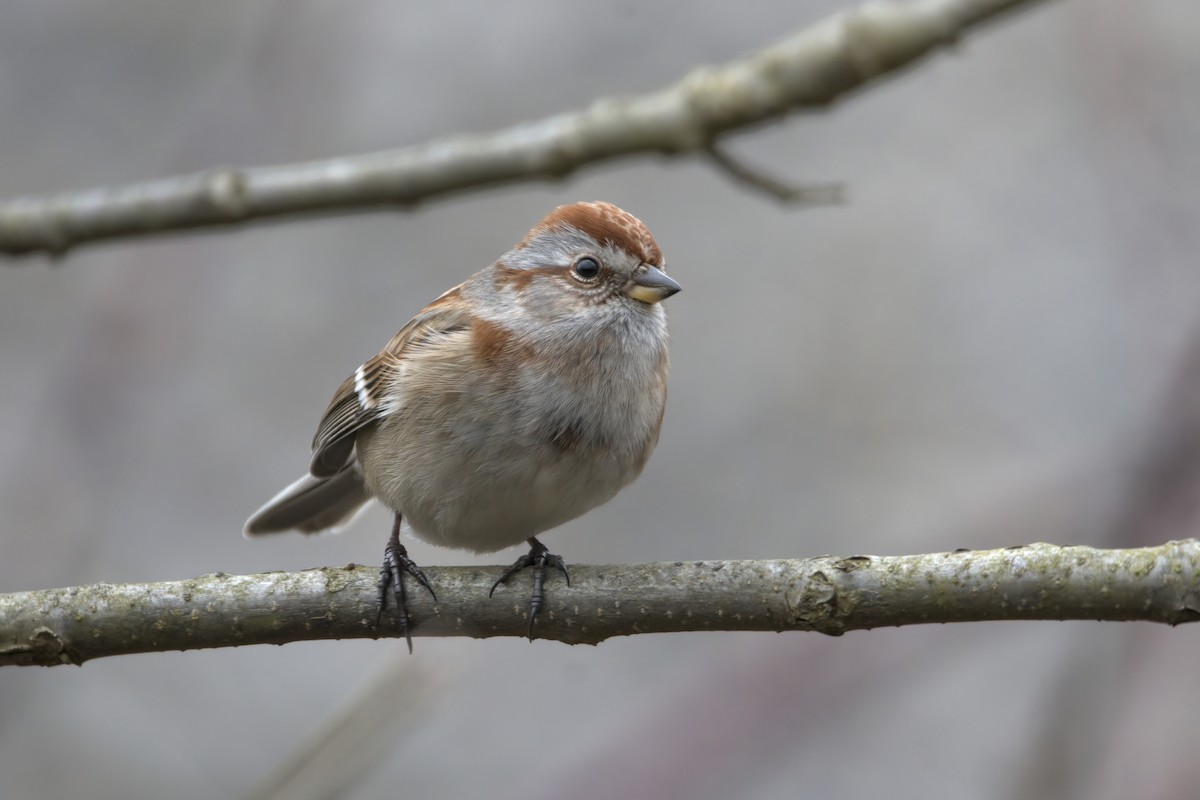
{"points": [[994, 342]]}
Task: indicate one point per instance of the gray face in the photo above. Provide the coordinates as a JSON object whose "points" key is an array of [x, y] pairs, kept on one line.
{"points": [[564, 278]]}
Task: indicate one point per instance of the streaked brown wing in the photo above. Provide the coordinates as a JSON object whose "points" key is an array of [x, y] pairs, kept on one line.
{"points": [[371, 393]]}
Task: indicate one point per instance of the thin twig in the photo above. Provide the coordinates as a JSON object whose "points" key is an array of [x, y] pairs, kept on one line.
{"points": [[345, 749], [810, 69], [828, 594], [815, 195]]}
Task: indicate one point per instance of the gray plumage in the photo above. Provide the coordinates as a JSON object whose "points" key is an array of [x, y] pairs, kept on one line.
{"points": [[515, 402]]}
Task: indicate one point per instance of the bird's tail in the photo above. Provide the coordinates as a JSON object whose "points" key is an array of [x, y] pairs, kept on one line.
{"points": [[312, 504]]}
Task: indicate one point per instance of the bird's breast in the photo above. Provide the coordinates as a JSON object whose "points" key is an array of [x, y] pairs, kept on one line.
{"points": [[522, 441]]}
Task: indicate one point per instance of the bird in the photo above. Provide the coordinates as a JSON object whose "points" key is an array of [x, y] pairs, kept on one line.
{"points": [[516, 401]]}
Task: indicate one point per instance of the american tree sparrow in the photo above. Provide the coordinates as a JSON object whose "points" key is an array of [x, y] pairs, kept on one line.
{"points": [[515, 402]]}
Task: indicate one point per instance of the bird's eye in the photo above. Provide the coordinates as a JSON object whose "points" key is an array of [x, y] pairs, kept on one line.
{"points": [[587, 268]]}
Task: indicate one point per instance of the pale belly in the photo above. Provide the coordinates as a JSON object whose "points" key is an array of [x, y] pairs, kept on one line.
{"points": [[486, 493]]}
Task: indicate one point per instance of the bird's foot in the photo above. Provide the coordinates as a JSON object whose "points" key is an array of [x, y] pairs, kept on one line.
{"points": [[395, 563], [539, 558]]}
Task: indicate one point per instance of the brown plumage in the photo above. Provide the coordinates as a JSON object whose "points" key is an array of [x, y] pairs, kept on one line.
{"points": [[516, 401]]}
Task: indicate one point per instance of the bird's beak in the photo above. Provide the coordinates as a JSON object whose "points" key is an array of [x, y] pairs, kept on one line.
{"points": [[651, 286]]}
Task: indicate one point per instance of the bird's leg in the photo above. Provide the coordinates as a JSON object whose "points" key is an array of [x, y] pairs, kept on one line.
{"points": [[395, 563], [539, 558]]}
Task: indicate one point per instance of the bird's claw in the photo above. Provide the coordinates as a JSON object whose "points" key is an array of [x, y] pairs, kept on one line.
{"points": [[539, 558]]}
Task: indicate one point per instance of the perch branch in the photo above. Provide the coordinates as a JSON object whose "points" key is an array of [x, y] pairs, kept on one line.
{"points": [[828, 594], [810, 69]]}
